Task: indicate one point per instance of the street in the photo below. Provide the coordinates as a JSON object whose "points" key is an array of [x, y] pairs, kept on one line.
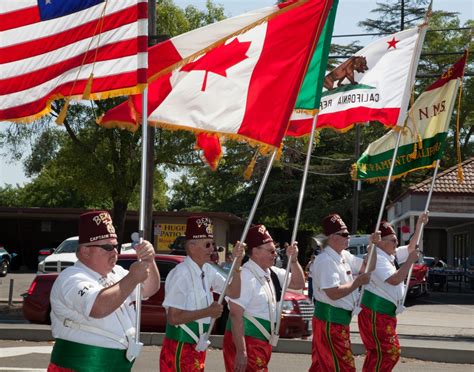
{"points": [[440, 316], [35, 357]]}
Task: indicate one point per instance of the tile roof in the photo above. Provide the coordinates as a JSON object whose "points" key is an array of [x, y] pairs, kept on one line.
{"points": [[446, 182]]}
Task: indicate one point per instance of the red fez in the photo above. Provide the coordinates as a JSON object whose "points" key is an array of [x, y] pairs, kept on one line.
{"points": [[332, 224], [258, 235], [199, 227], [94, 226], [386, 229]]}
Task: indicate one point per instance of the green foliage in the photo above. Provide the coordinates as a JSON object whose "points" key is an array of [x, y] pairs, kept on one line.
{"points": [[173, 20]]}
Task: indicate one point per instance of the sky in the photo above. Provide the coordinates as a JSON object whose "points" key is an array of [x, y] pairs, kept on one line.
{"points": [[350, 13]]}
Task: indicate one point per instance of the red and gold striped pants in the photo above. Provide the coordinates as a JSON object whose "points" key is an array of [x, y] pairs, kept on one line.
{"points": [[331, 348], [181, 357], [378, 333]]}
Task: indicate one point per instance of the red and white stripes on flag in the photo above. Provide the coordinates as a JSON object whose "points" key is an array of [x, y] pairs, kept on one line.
{"points": [[50, 48]]}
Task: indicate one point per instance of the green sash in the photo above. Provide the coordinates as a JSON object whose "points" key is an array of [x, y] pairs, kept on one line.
{"points": [[179, 334], [250, 329], [332, 314], [378, 304], [87, 358]]}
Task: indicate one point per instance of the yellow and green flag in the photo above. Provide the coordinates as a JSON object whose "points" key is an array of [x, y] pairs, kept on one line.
{"points": [[423, 136]]}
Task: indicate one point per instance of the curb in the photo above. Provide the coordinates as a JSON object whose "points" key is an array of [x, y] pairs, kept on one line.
{"points": [[428, 350]]}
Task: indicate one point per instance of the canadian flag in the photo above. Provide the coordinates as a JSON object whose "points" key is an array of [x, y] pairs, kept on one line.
{"points": [[238, 77]]}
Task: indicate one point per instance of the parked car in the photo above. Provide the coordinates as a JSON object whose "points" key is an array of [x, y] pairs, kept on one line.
{"points": [[297, 308], [358, 245], [418, 285], [430, 263], [44, 252], [177, 247], [65, 255], [5, 261]]}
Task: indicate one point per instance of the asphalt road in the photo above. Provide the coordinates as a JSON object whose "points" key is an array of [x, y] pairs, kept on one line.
{"points": [[21, 284], [34, 356]]}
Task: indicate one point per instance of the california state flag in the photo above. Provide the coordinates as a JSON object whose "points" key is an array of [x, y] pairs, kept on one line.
{"points": [[246, 86], [374, 84], [423, 137]]}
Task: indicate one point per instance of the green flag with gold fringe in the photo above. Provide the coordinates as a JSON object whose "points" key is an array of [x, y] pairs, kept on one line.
{"points": [[423, 136]]}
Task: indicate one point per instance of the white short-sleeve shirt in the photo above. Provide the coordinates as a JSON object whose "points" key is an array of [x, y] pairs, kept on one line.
{"points": [[72, 297], [186, 289], [330, 270], [384, 269], [253, 296]]}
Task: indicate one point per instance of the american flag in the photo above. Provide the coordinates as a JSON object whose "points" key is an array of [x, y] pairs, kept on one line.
{"points": [[50, 48]]}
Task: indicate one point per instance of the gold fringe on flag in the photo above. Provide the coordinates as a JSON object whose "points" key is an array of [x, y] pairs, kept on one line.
{"points": [[354, 172], [62, 114], [458, 131], [249, 171], [87, 89]]}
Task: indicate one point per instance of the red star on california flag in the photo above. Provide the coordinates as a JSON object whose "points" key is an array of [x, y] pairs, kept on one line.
{"points": [[392, 43]]}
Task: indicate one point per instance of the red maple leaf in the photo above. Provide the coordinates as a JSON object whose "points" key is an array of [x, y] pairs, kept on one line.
{"points": [[218, 60]]}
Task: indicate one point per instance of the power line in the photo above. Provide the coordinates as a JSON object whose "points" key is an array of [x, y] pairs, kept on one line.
{"points": [[390, 33], [315, 156], [313, 172]]}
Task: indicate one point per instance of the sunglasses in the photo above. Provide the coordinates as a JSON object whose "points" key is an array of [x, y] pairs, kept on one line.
{"points": [[107, 247], [208, 244], [344, 235], [271, 251]]}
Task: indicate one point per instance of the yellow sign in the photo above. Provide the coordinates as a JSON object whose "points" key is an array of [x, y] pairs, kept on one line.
{"points": [[166, 233]]}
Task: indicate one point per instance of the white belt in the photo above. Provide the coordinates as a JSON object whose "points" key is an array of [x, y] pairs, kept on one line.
{"points": [[101, 332]]}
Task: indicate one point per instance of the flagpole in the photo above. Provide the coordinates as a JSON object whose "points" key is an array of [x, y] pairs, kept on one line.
{"points": [[418, 239], [372, 259], [203, 344], [428, 201], [141, 222], [295, 228]]}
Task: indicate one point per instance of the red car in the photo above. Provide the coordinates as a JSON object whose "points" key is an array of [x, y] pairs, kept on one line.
{"points": [[297, 308], [418, 284]]}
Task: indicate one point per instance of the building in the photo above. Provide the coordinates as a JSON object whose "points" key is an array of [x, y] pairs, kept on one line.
{"points": [[450, 231], [27, 230]]}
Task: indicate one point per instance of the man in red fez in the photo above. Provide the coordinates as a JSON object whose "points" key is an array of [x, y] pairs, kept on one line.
{"points": [[93, 302], [383, 298], [189, 301], [247, 340], [337, 275]]}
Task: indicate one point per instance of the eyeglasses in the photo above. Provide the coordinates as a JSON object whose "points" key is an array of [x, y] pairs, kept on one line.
{"points": [[271, 251], [107, 247], [344, 235], [393, 240]]}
